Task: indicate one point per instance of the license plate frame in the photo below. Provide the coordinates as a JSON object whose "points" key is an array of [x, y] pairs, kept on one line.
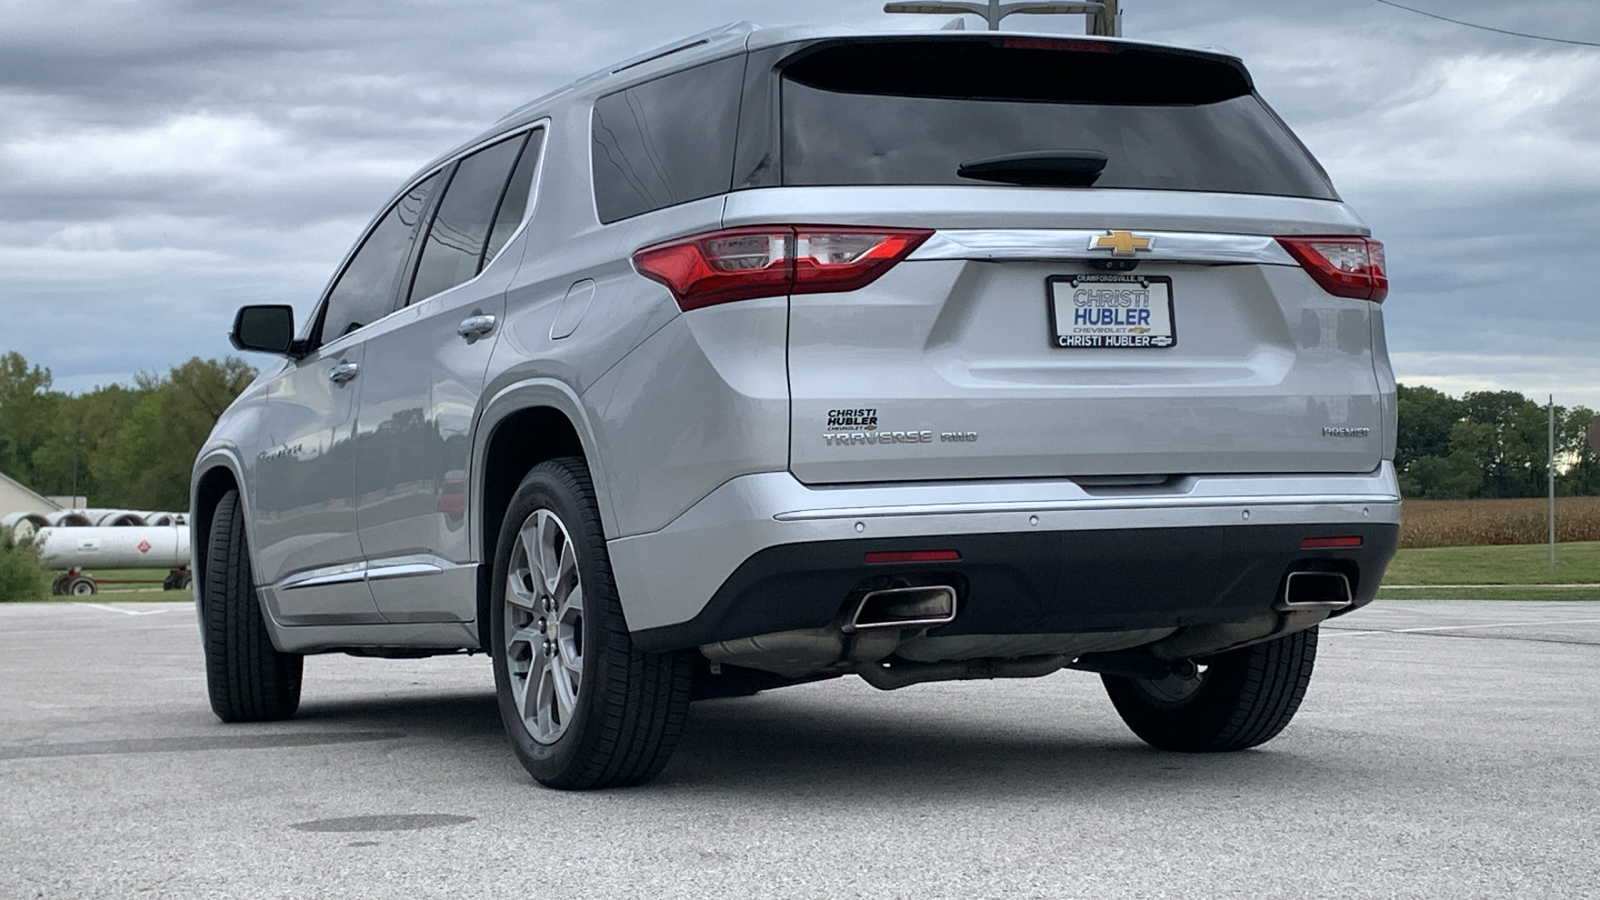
{"points": [[1089, 311]]}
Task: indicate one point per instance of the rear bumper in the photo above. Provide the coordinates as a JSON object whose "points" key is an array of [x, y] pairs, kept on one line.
{"points": [[765, 553]]}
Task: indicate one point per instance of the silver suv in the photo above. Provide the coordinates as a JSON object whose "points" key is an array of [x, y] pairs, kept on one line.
{"points": [[778, 355]]}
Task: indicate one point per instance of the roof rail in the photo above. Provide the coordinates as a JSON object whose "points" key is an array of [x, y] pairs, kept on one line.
{"points": [[720, 33]]}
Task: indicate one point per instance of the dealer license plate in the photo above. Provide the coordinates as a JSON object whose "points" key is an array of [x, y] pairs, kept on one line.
{"points": [[1111, 310]]}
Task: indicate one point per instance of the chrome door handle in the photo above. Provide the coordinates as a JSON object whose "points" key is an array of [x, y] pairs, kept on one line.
{"points": [[475, 326], [343, 372]]}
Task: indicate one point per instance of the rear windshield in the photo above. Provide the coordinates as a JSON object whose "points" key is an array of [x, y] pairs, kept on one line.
{"points": [[912, 112]]}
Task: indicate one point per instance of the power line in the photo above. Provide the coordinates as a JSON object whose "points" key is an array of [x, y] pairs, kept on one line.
{"points": [[1521, 34]]}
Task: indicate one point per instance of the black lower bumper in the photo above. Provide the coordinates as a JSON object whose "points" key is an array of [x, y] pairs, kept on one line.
{"points": [[1040, 582]]}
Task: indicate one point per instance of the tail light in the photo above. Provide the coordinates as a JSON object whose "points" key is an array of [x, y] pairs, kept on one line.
{"points": [[1345, 266], [744, 263]]}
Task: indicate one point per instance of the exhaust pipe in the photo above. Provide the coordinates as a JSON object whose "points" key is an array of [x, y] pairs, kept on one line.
{"points": [[1315, 590], [904, 607]]}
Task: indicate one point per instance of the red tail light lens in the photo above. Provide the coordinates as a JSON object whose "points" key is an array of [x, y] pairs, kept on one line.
{"points": [[1330, 543], [1345, 266], [875, 557], [744, 263]]}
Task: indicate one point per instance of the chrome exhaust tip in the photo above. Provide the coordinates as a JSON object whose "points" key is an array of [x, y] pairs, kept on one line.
{"points": [[1315, 590], [904, 607]]}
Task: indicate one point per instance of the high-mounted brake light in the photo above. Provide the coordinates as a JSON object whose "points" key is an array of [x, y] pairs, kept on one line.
{"points": [[768, 261], [1068, 45], [1344, 265]]}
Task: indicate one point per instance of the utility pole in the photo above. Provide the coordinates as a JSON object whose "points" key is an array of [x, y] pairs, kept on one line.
{"points": [[1105, 23], [1552, 479], [75, 443], [1103, 17]]}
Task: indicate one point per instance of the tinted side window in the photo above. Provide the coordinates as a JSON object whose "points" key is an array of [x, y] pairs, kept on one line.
{"points": [[515, 204], [366, 290], [666, 141], [453, 250]]}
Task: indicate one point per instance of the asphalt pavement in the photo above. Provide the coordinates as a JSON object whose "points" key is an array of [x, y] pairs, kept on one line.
{"points": [[1446, 749]]}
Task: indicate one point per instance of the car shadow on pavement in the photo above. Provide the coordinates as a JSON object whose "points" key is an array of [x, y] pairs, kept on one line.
{"points": [[456, 716], [777, 742], [852, 752]]}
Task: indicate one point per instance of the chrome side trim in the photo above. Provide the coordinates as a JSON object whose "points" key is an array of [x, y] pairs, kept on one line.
{"points": [[351, 573], [1041, 243], [1119, 503], [321, 637], [405, 570], [345, 574]]}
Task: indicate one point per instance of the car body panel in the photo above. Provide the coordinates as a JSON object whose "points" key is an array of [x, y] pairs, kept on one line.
{"points": [[303, 493], [669, 575]]}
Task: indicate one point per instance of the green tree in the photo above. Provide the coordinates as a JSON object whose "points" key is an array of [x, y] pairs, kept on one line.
{"points": [[27, 409], [87, 422], [1514, 448], [149, 456], [1578, 465], [1426, 417]]}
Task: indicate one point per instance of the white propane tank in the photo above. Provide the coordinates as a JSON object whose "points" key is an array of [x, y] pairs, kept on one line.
{"points": [[114, 547], [20, 527]]}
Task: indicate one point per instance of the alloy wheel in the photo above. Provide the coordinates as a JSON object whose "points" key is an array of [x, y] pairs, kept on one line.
{"points": [[544, 626]]}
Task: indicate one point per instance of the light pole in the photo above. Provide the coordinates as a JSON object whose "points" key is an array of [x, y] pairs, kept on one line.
{"points": [[1104, 18], [76, 443]]}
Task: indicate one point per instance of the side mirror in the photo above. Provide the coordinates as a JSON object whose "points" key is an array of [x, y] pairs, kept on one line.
{"points": [[266, 329]]}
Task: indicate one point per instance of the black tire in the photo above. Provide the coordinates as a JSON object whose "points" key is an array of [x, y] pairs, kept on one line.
{"points": [[82, 587], [247, 678], [630, 706], [1242, 699]]}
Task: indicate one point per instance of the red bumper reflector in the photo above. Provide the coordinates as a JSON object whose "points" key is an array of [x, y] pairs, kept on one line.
{"points": [[1330, 543], [911, 556]]}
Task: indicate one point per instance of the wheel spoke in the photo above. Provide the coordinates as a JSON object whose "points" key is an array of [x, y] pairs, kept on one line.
{"points": [[530, 551], [518, 593], [528, 636], [574, 669], [540, 702], [566, 571], [551, 538], [570, 608], [566, 691]]}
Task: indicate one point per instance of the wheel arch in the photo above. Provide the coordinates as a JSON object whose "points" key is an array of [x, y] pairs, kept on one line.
{"points": [[522, 427], [215, 475]]}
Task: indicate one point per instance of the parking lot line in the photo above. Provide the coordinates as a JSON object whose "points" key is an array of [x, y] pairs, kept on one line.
{"points": [[1334, 631], [126, 612]]}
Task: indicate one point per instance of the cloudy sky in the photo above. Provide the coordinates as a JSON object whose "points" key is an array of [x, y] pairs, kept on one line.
{"points": [[163, 162]]}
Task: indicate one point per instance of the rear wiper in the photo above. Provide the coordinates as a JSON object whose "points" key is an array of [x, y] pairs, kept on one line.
{"points": [[1054, 168]]}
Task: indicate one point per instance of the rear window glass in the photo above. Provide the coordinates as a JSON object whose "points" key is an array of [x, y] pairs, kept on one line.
{"points": [[911, 113], [666, 141]]}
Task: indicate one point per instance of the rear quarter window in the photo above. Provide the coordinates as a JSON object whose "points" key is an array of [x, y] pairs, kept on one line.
{"points": [[667, 141]]}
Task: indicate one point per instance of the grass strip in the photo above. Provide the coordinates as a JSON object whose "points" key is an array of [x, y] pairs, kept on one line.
{"points": [[1511, 564]]}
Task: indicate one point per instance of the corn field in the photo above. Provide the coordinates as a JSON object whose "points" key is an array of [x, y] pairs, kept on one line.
{"points": [[1469, 523]]}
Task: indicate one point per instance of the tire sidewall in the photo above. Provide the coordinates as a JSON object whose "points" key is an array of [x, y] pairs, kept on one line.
{"points": [[1209, 719], [545, 488]]}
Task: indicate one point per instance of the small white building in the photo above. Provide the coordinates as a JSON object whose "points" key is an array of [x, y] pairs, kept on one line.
{"points": [[16, 497]]}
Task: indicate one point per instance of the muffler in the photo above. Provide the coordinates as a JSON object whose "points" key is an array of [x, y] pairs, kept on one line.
{"points": [[1315, 590], [904, 607]]}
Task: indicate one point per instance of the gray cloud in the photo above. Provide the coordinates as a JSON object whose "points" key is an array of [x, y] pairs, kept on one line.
{"points": [[163, 162]]}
